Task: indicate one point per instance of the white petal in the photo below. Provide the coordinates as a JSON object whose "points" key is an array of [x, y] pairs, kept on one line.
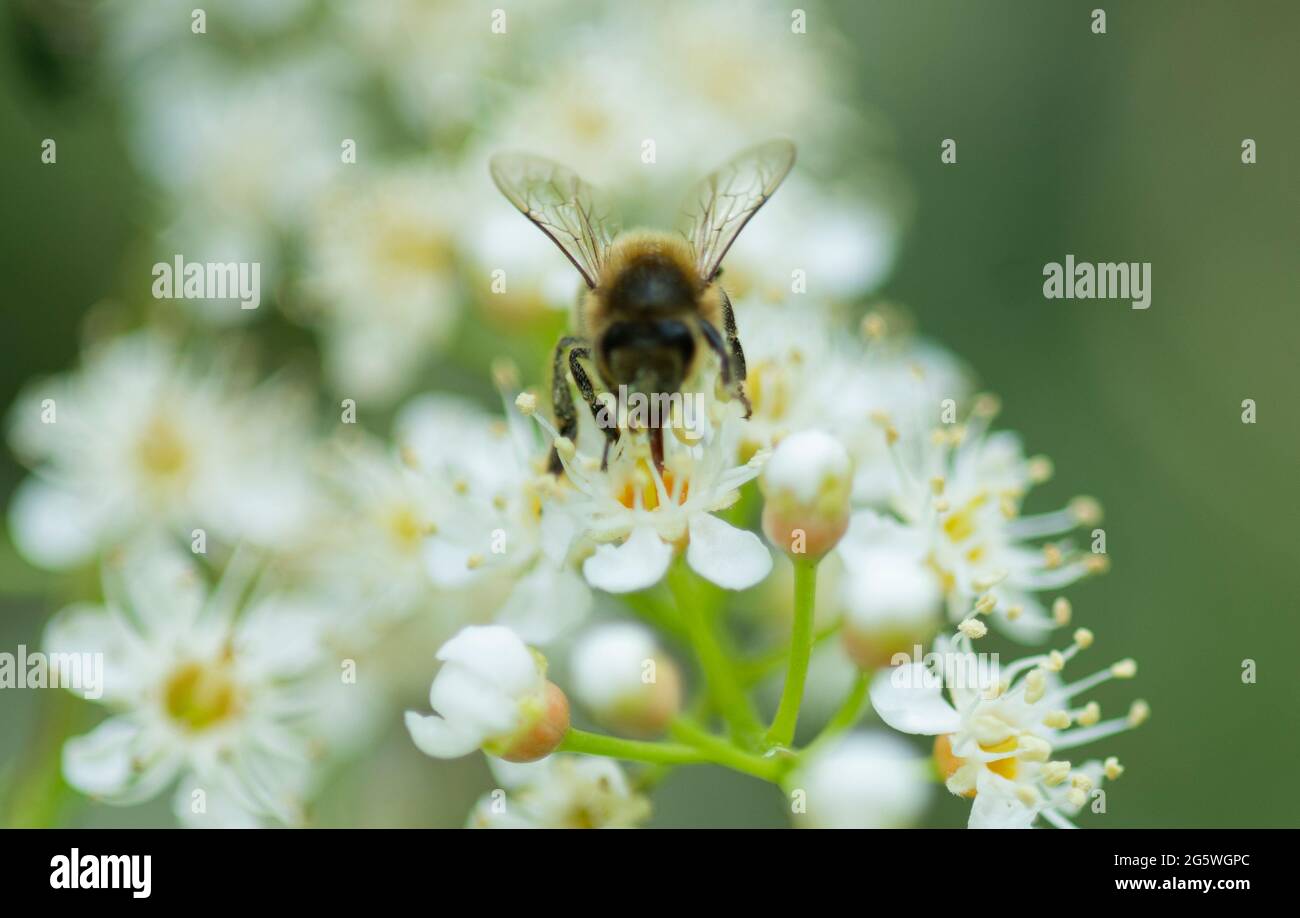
{"points": [[51, 527], [435, 737], [910, 698], [997, 807], [546, 603], [472, 704], [494, 654], [638, 563], [118, 761], [447, 563], [91, 629], [732, 558]]}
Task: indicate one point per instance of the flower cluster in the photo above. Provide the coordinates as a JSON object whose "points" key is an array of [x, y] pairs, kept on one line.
{"points": [[305, 515]]}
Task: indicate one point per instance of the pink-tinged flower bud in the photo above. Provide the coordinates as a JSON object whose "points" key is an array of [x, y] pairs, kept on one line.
{"points": [[492, 694], [625, 681], [806, 486]]}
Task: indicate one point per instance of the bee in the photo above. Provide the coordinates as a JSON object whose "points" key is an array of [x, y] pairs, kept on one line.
{"points": [[652, 306]]}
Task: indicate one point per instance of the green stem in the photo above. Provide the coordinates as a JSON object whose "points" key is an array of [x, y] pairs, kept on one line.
{"points": [[758, 668], [631, 750], [805, 597], [723, 686], [847, 715], [724, 753]]}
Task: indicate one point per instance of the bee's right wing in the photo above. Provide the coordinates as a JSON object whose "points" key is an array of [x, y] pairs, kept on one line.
{"points": [[560, 204], [726, 200]]}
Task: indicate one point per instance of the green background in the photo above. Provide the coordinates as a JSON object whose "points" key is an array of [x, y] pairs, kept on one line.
{"points": [[1117, 147]]}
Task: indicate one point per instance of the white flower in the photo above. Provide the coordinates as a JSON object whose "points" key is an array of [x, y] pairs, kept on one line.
{"points": [[866, 780], [997, 737], [621, 676], [891, 597], [637, 517], [218, 698], [806, 487], [961, 491], [560, 792], [140, 440], [491, 527], [382, 266], [491, 693]]}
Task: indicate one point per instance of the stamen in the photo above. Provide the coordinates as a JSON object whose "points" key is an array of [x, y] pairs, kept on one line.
{"points": [[526, 402], [1113, 769], [1055, 773], [1057, 720], [973, 628], [1083, 638], [1061, 611]]}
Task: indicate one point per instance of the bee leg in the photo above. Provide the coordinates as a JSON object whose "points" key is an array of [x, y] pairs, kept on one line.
{"points": [[738, 368], [726, 357], [562, 400], [566, 418]]}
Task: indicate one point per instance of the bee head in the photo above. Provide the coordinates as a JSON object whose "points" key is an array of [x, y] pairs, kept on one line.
{"points": [[650, 356]]}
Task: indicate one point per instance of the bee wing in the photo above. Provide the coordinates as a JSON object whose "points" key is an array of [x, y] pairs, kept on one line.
{"points": [[723, 203], [560, 204]]}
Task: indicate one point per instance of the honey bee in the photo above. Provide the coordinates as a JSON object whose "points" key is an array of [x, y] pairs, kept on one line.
{"points": [[653, 304]]}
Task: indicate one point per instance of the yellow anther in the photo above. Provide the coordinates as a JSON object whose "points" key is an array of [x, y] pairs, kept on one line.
{"points": [[986, 604], [987, 404], [1081, 781], [989, 581], [1112, 768], [874, 326], [564, 446], [1090, 714], [409, 457], [1086, 510], [1076, 797], [1034, 749], [1026, 794], [1138, 712], [1097, 564], [474, 561], [1055, 662], [1061, 611], [1040, 469], [526, 402], [937, 484], [1014, 612], [1055, 773], [1083, 638], [1057, 720], [1035, 685], [1124, 669], [973, 628], [1052, 556]]}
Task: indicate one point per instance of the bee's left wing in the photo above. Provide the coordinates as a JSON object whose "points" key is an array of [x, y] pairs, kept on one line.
{"points": [[723, 203], [560, 204]]}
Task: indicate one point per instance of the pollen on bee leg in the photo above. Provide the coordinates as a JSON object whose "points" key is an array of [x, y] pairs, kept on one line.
{"points": [[526, 402]]}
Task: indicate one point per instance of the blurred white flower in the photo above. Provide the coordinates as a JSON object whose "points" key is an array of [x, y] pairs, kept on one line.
{"points": [[491, 524], [806, 487], [216, 696], [997, 737], [866, 780], [560, 792], [622, 677], [140, 439], [636, 518], [960, 490], [891, 596], [491, 693], [381, 264]]}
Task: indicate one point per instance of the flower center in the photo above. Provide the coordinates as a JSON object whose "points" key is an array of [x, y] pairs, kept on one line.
{"points": [[405, 528], [948, 763], [161, 451], [640, 484], [960, 525], [198, 697]]}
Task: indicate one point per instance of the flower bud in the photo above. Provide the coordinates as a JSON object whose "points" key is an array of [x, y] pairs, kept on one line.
{"points": [[624, 680], [868, 780], [492, 694], [807, 484]]}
